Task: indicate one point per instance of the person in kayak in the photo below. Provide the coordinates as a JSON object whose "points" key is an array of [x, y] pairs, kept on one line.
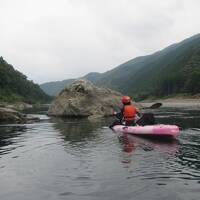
{"points": [[131, 116], [128, 112]]}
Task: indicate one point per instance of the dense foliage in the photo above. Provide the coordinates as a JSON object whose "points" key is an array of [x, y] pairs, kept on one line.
{"points": [[14, 86]]}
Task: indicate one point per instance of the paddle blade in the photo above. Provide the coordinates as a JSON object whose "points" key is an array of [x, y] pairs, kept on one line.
{"points": [[155, 105]]}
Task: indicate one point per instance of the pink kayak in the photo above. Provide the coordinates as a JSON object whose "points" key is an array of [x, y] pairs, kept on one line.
{"points": [[151, 130]]}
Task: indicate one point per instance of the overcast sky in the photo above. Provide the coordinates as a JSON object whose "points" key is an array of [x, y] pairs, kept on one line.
{"points": [[51, 40]]}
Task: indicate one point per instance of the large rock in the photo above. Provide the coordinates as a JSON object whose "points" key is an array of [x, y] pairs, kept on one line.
{"points": [[8, 115], [11, 116], [83, 99]]}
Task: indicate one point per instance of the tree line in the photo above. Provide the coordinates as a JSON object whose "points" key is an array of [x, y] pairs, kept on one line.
{"points": [[14, 86]]}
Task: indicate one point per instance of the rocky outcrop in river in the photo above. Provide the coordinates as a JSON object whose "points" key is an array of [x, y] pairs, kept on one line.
{"points": [[8, 115], [83, 99]]}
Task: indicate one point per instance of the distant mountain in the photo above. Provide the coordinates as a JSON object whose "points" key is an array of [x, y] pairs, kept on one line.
{"points": [[175, 69], [53, 88], [14, 86], [93, 77]]}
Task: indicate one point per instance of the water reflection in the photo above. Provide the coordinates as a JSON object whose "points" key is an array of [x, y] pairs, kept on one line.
{"points": [[81, 136], [77, 130], [170, 144], [131, 144], [127, 143], [83, 159]]}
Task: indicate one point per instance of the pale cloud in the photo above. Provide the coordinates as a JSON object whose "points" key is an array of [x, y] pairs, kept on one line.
{"points": [[58, 39]]}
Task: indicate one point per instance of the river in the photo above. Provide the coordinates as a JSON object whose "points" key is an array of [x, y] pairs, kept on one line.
{"points": [[81, 159]]}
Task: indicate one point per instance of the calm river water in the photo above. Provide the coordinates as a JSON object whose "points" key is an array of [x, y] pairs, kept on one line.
{"points": [[84, 160]]}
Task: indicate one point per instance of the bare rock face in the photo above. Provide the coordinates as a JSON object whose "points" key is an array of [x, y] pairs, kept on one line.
{"points": [[83, 99]]}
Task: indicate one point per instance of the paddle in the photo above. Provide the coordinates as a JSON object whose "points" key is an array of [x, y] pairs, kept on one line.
{"points": [[148, 118], [155, 105]]}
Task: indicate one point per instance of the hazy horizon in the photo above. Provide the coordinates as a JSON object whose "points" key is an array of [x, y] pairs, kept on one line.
{"points": [[56, 40]]}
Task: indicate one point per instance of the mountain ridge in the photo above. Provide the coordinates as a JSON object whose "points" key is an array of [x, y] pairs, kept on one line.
{"points": [[158, 74]]}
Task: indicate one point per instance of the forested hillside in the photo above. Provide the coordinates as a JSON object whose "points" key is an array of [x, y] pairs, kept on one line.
{"points": [[173, 70], [14, 86]]}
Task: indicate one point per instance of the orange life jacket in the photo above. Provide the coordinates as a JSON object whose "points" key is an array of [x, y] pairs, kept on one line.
{"points": [[129, 112]]}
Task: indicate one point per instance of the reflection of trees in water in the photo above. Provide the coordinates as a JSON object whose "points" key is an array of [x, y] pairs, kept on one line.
{"points": [[183, 123], [78, 130], [8, 135], [185, 118]]}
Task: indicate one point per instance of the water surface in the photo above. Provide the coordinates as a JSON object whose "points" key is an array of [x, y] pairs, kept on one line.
{"points": [[82, 159]]}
